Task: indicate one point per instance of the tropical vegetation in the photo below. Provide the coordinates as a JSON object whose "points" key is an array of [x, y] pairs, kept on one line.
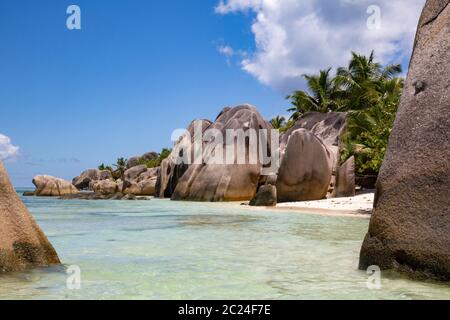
{"points": [[369, 92], [122, 163], [153, 163]]}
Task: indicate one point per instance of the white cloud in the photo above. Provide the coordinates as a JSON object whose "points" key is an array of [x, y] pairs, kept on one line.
{"points": [[294, 37], [226, 50], [7, 150]]}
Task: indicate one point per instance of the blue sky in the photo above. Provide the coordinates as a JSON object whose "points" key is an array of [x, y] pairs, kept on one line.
{"points": [[137, 70]]}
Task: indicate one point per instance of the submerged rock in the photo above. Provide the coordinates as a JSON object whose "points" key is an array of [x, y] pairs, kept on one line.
{"points": [[96, 196], [48, 186], [22, 242], [410, 226]]}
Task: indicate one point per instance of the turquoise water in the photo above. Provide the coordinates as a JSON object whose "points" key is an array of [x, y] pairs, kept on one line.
{"points": [[160, 249]]}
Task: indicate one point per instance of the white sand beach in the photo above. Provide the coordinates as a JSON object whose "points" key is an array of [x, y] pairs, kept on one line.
{"points": [[361, 205]]}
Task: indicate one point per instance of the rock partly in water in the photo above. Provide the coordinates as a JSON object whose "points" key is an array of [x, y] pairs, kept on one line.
{"points": [[224, 182], [265, 197], [410, 226], [48, 186], [22, 242]]}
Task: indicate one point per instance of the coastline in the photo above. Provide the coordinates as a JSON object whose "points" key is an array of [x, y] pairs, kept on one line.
{"points": [[358, 206]]}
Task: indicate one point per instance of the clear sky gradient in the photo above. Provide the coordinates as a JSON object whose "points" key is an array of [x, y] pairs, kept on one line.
{"points": [[136, 71]]}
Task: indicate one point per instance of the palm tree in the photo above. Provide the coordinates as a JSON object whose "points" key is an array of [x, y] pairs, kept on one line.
{"points": [[361, 80], [121, 166], [369, 92], [278, 122], [322, 95], [370, 128]]}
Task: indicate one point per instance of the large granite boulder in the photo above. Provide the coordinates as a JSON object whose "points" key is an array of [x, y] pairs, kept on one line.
{"points": [[83, 181], [150, 173], [224, 182], [328, 127], [138, 160], [410, 226], [143, 184], [170, 171], [22, 242], [48, 186], [306, 168], [150, 156], [105, 187], [144, 187], [310, 152], [133, 162], [345, 179], [134, 172]]}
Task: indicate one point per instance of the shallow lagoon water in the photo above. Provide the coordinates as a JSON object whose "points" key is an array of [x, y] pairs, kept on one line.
{"points": [[160, 249]]}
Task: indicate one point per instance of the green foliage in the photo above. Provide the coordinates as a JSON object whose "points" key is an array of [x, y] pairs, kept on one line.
{"points": [[369, 93], [278, 122], [323, 95], [157, 161], [121, 166], [103, 167]]}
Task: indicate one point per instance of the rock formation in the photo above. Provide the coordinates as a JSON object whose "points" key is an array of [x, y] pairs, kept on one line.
{"points": [[306, 168], [170, 171], [134, 172], [83, 181], [48, 186], [345, 180], [22, 242], [138, 160], [224, 182], [410, 226], [104, 187], [310, 152], [265, 197]]}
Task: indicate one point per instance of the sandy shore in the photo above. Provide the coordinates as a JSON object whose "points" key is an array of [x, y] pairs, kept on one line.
{"points": [[360, 205]]}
